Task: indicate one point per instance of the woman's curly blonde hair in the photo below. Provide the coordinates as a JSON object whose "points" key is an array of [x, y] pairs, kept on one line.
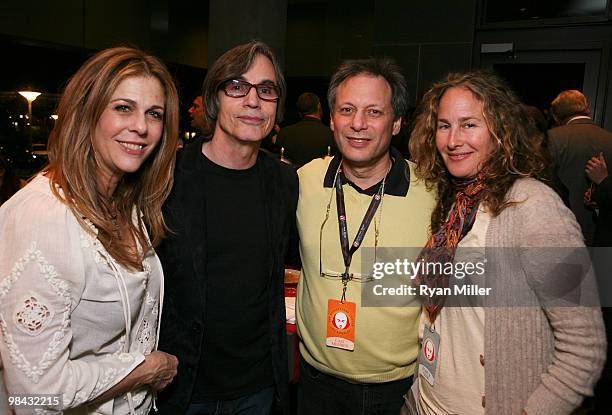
{"points": [[518, 152]]}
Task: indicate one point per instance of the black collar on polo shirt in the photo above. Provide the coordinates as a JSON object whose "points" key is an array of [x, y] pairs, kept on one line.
{"points": [[398, 178]]}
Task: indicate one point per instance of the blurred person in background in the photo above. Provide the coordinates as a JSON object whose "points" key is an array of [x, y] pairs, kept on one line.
{"points": [[596, 170], [9, 182], [574, 140], [599, 196], [308, 139], [198, 120]]}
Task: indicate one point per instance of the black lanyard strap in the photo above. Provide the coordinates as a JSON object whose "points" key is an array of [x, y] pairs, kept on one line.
{"points": [[348, 251]]}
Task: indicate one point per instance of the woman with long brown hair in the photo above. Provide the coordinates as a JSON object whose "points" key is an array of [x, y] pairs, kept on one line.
{"points": [[81, 288], [526, 346]]}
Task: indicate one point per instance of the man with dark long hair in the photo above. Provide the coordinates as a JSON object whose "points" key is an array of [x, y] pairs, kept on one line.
{"points": [[231, 212]]}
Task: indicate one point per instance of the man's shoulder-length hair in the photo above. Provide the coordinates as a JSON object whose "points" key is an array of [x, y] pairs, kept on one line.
{"points": [[232, 65]]}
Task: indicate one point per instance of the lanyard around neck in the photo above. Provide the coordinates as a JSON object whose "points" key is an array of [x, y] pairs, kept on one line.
{"points": [[348, 251]]}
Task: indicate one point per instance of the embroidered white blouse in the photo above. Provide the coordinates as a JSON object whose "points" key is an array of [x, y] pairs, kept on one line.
{"points": [[73, 322]]}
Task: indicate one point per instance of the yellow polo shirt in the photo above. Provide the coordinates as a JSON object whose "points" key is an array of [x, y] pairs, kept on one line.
{"points": [[386, 338]]}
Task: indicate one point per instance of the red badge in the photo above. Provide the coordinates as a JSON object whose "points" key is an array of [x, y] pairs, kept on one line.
{"points": [[341, 324]]}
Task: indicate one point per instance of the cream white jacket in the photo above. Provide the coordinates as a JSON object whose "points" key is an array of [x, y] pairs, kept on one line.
{"points": [[73, 322]]}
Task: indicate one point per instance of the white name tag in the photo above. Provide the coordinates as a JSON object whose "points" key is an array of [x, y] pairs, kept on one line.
{"points": [[429, 354]]}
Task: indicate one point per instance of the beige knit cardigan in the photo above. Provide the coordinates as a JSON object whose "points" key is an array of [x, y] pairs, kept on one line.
{"points": [[543, 358]]}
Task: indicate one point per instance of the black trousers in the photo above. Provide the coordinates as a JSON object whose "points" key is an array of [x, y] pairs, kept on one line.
{"points": [[321, 394]]}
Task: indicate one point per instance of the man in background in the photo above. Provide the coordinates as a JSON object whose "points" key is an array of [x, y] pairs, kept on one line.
{"points": [[196, 113], [309, 138], [572, 143], [198, 121]]}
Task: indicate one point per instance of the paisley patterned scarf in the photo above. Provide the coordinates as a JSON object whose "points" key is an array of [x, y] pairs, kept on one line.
{"points": [[441, 246]]}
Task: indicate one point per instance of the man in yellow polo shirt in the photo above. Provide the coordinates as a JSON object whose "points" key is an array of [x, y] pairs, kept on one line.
{"points": [[357, 359]]}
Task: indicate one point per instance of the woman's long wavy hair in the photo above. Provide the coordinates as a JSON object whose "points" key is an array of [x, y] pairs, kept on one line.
{"points": [[73, 167], [517, 152]]}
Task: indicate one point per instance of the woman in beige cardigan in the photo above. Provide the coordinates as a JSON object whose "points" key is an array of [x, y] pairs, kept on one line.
{"points": [[528, 346]]}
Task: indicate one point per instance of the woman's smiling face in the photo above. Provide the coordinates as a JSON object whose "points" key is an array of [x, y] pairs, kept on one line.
{"points": [[129, 128], [462, 135]]}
